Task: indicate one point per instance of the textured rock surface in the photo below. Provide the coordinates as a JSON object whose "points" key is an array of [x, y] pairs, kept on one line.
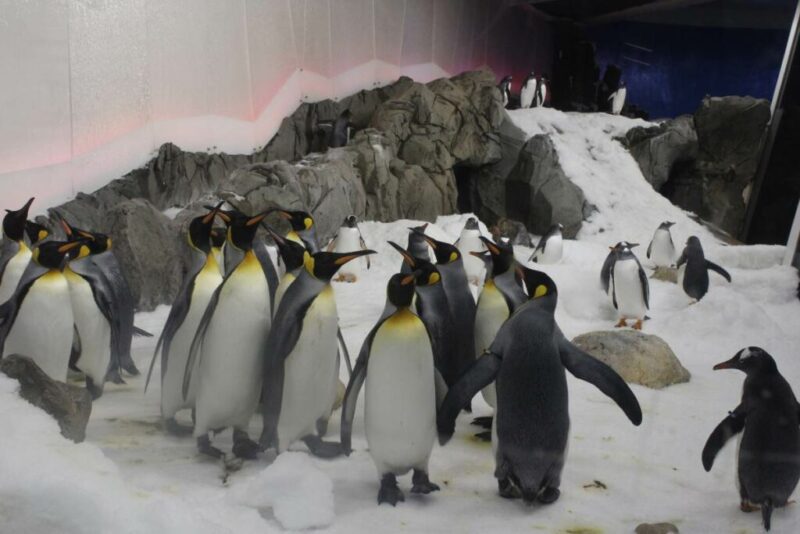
{"points": [[71, 406], [638, 358], [656, 528], [659, 148]]}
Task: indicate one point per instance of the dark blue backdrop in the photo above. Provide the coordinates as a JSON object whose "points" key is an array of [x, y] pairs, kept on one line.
{"points": [[668, 69]]}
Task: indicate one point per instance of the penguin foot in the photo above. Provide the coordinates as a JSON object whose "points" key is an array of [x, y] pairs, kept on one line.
{"points": [[243, 446], [748, 507], [486, 435], [421, 483], [507, 490], [95, 391], [637, 325], [130, 367], [176, 429], [322, 426], [549, 495], [322, 449], [621, 324], [204, 446], [114, 376], [389, 492], [348, 278], [484, 421]]}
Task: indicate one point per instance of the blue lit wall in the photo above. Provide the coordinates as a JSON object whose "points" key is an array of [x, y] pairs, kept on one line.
{"points": [[670, 68]]}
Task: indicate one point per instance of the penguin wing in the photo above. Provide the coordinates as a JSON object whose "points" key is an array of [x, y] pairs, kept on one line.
{"points": [[269, 271], [729, 427], [613, 289], [123, 308], [682, 259], [480, 374], [719, 270], [645, 285], [588, 368], [10, 308], [539, 249], [363, 245], [605, 272], [202, 328], [8, 250], [649, 248], [343, 351]]}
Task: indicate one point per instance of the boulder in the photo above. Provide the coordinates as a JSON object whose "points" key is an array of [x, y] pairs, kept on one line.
{"points": [[659, 148], [665, 274], [71, 406], [515, 231], [656, 528], [638, 358]]}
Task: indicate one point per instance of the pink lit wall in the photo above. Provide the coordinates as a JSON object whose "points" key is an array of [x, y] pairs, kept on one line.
{"points": [[91, 88]]}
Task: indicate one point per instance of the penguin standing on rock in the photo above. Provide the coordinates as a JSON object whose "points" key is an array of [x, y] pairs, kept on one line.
{"points": [[550, 248], [527, 361], [505, 90], [528, 91], [693, 270], [470, 241], [417, 247], [348, 239], [402, 393], [661, 250], [14, 254], [769, 451], [630, 290]]}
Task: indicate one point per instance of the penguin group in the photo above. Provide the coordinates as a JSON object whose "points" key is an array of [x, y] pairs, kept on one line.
{"points": [[533, 91]]}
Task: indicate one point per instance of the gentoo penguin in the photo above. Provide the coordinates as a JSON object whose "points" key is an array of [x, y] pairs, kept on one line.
{"points": [[35, 233], [174, 344], [505, 90], [769, 451], [37, 319], [617, 99], [292, 253], [341, 130], [470, 241], [661, 250], [348, 239], [608, 264], [528, 91], [303, 230], [402, 389], [531, 425], [239, 317], [218, 238], [417, 247], [301, 358], [550, 247], [540, 98], [693, 269], [14, 254], [630, 290], [462, 305]]}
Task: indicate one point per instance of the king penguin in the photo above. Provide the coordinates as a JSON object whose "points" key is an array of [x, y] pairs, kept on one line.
{"points": [[37, 319], [693, 270], [301, 369], [348, 239], [230, 344], [617, 99], [303, 230], [505, 90], [14, 254], [661, 250], [174, 344], [527, 361], [550, 248], [630, 290], [292, 253], [769, 451], [35, 233], [218, 238], [402, 390], [417, 247], [528, 91], [470, 241]]}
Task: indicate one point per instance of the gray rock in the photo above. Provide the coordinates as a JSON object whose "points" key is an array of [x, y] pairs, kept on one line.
{"points": [[515, 231], [659, 148], [665, 274], [656, 528], [638, 358], [71, 406]]}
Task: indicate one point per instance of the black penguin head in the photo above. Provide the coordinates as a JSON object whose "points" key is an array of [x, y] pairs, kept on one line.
{"points": [[55, 254], [323, 265], [666, 225], [95, 242], [351, 221], [14, 222], [750, 360], [242, 228], [540, 287], [471, 224], [200, 230], [623, 246], [36, 232], [400, 289], [218, 236], [693, 241], [425, 272], [291, 252], [622, 83], [501, 253], [445, 252], [300, 220]]}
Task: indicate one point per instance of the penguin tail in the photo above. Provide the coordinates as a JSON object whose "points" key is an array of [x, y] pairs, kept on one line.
{"points": [[766, 513]]}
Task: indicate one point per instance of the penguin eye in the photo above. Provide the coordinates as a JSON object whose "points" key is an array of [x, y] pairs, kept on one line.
{"points": [[308, 222], [541, 290], [433, 278]]}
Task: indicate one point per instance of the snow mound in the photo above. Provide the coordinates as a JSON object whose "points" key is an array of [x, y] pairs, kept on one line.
{"points": [[299, 493], [627, 205]]}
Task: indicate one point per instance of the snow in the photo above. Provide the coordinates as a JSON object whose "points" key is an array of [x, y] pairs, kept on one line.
{"points": [[131, 477]]}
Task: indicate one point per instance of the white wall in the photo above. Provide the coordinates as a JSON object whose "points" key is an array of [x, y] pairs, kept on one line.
{"points": [[90, 88]]}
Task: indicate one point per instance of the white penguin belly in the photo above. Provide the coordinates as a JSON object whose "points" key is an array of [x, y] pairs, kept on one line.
{"points": [[553, 251], [232, 352], [44, 326], [526, 95], [489, 317], [470, 242], [310, 372], [93, 329], [400, 401], [348, 240], [628, 290], [619, 101], [284, 284], [172, 400], [662, 251], [13, 272]]}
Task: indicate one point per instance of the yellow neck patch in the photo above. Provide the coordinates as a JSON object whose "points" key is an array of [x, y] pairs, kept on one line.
{"points": [[403, 318], [434, 279], [308, 263], [211, 263]]}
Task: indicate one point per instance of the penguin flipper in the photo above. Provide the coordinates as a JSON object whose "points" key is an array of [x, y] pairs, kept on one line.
{"points": [[202, 328], [681, 260], [588, 368], [613, 290], [719, 270], [363, 245], [344, 351], [441, 387], [645, 285], [729, 427], [8, 250], [479, 375], [269, 272], [140, 332], [649, 249]]}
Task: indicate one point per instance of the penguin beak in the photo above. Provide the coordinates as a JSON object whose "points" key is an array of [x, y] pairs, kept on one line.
{"points": [[476, 254], [491, 246], [351, 256], [408, 258], [275, 236], [730, 364], [86, 236], [67, 228], [631, 245], [27, 206], [208, 219], [409, 279], [255, 220], [63, 249]]}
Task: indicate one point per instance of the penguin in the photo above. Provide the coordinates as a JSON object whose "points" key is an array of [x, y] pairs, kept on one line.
{"points": [[505, 90], [301, 358], [35, 233], [218, 238], [769, 450], [661, 250], [402, 393], [608, 264], [450, 265], [550, 248], [693, 270], [349, 238], [617, 99], [229, 343], [469, 241], [540, 98], [173, 346], [630, 290], [37, 319], [527, 361], [417, 247], [292, 254], [341, 130], [528, 91], [303, 230], [14, 253]]}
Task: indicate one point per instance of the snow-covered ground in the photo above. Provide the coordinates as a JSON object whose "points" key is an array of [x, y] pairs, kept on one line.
{"points": [[129, 477]]}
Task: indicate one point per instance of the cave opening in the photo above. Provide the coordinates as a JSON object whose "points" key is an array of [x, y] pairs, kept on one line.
{"points": [[466, 188]]}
